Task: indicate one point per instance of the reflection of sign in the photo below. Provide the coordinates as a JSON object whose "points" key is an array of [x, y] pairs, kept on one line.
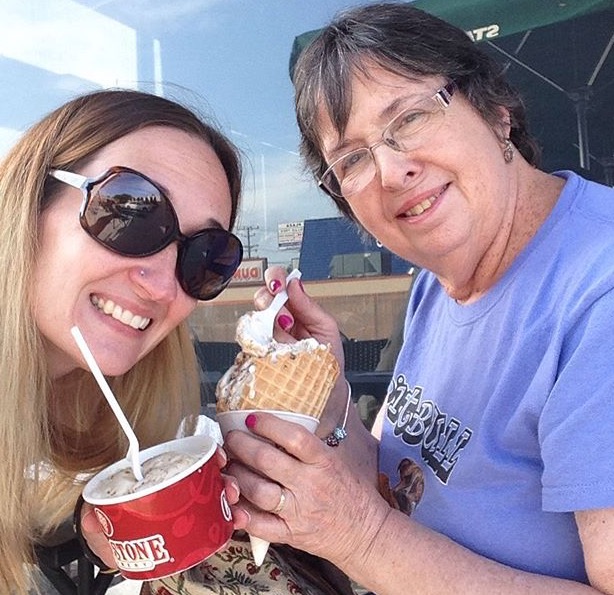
{"points": [[250, 272], [290, 235]]}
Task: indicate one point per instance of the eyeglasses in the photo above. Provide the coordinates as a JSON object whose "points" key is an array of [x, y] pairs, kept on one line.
{"points": [[129, 214], [354, 171]]}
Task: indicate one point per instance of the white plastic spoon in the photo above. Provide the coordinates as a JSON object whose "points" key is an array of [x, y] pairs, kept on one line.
{"points": [[133, 451], [262, 322]]}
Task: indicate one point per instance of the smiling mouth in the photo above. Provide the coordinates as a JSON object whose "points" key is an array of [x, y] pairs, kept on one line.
{"points": [[425, 205], [110, 308]]}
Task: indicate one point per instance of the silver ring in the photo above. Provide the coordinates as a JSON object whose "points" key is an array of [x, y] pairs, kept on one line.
{"points": [[281, 503]]}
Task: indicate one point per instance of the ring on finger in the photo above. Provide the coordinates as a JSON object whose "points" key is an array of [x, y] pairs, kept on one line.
{"points": [[281, 503]]}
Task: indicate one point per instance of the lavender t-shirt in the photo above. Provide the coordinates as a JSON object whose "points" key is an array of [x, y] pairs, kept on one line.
{"points": [[500, 419]]}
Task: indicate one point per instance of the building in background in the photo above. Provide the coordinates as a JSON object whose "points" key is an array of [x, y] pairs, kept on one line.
{"points": [[335, 248]]}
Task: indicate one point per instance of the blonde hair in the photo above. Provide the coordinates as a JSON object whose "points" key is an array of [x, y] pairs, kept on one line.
{"points": [[156, 394]]}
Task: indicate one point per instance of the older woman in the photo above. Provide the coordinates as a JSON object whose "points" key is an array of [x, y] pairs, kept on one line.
{"points": [[74, 253], [490, 469]]}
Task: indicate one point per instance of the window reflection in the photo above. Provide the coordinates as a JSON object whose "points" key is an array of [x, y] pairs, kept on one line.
{"points": [[52, 51]]}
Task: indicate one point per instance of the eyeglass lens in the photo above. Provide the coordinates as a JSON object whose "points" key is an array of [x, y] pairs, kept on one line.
{"points": [[207, 261], [409, 130], [130, 215]]}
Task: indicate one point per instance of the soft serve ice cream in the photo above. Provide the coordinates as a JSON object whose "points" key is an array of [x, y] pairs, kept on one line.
{"points": [[173, 519], [266, 374]]}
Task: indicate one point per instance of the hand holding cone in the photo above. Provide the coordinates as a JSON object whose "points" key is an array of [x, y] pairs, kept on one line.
{"points": [[279, 377]]}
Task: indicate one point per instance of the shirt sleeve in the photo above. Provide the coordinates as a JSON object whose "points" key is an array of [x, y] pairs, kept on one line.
{"points": [[576, 428]]}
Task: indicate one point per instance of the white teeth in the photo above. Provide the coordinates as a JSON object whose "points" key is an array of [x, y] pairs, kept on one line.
{"points": [[124, 316]]}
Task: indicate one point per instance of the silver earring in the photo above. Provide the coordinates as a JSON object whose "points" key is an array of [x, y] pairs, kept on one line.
{"points": [[508, 151]]}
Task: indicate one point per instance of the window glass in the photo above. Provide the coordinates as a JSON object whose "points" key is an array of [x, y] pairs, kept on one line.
{"points": [[229, 59]]}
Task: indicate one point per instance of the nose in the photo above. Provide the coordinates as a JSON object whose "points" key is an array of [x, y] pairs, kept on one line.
{"points": [[395, 168], [155, 275]]}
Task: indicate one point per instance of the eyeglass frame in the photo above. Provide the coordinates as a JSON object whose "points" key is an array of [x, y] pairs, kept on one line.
{"points": [[86, 185], [442, 97]]}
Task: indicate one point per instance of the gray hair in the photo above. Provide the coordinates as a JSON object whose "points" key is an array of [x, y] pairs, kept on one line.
{"points": [[406, 41]]}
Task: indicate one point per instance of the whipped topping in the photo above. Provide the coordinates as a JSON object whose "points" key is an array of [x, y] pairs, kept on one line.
{"points": [[254, 331], [250, 337], [254, 342]]}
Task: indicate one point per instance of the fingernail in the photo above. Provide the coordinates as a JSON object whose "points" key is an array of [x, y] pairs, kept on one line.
{"points": [[223, 456], [275, 284], [250, 421], [300, 284], [285, 321]]}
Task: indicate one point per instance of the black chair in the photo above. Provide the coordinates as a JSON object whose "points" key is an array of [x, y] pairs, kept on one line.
{"points": [[363, 355], [56, 554], [361, 359], [214, 357]]}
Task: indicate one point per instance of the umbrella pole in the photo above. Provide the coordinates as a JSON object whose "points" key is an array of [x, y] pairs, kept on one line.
{"points": [[580, 99]]}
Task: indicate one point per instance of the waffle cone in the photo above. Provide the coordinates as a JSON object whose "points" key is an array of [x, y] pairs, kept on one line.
{"points": [[300, 382]]}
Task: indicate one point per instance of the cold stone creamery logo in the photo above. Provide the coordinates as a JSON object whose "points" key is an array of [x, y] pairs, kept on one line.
{"points": [[137, 554], [226, 513], [140, 554], [105, 521]]}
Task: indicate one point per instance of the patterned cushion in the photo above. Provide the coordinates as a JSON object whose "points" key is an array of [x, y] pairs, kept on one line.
{"points": [[233, 572]]}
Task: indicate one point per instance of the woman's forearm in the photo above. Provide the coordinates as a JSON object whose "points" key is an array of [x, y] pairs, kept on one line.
{"points": [[402, 556]]}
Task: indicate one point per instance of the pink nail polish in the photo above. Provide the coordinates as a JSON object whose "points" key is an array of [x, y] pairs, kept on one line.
{"points": [[285, 321], [250, 421], [274, 285]]}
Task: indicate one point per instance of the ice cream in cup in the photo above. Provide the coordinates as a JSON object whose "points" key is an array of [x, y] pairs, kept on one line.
{"points": [[291, 380], [171, 520]]}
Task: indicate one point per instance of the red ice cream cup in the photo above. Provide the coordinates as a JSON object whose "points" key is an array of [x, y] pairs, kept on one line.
{"points": [[172, 526]]}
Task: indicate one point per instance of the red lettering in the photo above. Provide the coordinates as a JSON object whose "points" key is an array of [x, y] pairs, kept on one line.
{"points": [[158, 551]]}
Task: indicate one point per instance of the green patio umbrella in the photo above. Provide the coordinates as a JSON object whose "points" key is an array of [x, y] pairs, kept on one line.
{"points": [[560, 55], [488, 19]]}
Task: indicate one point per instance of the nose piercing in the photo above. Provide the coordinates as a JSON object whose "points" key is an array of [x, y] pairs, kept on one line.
{"points": [[142, 272]]}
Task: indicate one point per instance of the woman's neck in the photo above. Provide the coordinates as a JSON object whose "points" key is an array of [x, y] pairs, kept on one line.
{"points": [[536, 195]]}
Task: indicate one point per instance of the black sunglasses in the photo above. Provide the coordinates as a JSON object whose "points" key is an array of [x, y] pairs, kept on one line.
{"points": [[129, 214]]}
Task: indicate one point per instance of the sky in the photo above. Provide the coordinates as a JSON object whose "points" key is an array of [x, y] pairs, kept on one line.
{"points": [[228, 58]]}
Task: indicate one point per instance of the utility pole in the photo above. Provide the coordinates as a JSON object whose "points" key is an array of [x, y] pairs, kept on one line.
{"points": [[249, 232]]}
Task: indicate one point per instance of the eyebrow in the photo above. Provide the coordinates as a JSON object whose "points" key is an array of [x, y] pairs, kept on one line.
{"points": [[387, 114], [209, 223]]}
